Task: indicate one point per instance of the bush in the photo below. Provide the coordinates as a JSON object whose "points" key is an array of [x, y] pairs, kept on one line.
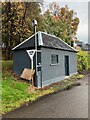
{"points": [[82, 60], [7, 65]]}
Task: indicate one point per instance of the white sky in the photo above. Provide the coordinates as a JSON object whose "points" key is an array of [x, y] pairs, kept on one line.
{"points": [[81, 8]]}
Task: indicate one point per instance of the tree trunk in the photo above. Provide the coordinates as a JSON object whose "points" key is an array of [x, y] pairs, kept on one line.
{"points": [[8, 5]]}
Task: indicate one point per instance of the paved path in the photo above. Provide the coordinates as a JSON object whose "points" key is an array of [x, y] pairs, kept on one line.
{"points": [[72, 103]]}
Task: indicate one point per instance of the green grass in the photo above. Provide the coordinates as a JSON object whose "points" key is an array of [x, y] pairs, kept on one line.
{"points": [[15, 92]]}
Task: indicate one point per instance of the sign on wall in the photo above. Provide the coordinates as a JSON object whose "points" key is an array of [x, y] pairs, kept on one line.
{"points": [[31, 53]]}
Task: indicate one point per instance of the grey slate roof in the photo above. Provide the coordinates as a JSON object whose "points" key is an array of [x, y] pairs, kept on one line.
{"points": [[45, 40]]}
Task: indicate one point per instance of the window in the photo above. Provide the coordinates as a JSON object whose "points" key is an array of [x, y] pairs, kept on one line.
{"points": [[54, 59]]}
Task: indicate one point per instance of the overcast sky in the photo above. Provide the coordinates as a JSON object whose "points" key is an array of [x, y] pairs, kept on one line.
{"points": [[82, 13]]}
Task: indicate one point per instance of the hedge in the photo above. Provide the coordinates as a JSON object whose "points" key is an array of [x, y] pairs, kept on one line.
{"points": [[83, 60]]}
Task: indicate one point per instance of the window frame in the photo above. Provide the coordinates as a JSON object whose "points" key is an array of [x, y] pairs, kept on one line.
{"points": [[54, 59]]}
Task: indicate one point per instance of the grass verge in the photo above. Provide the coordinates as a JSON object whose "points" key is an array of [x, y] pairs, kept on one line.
{"points": [[15, 92]]}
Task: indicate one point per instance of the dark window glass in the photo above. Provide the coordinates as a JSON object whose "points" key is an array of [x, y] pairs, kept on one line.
{"points": [[54, 59]]}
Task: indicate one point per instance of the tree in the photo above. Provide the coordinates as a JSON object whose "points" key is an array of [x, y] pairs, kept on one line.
{"points": [[17, 23], [61, 21]]}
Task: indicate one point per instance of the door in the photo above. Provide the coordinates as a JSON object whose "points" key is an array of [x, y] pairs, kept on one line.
{"points": [[66, 65]]}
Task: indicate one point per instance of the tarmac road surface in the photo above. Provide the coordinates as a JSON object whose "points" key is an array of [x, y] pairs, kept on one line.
{"points": [[72, 103]]}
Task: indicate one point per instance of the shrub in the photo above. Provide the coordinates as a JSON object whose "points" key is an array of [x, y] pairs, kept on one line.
{"points": [[7, 65], [82, 60]]}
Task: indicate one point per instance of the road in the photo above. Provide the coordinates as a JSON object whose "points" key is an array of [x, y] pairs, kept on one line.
{"points": [[72, 103]]}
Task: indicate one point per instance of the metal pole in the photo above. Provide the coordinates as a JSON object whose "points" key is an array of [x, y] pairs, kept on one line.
{"points": [[32, 63], [36, 49]]}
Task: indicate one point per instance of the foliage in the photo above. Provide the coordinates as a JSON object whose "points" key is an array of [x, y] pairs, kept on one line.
{"points": [[7, 65], [83, 60], [62, 22], [78, 76], [17, 23]]}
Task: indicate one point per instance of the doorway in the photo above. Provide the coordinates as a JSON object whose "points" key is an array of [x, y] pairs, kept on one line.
{"points": [[66, 65]]}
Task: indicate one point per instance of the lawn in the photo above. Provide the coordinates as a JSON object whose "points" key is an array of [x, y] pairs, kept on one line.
{"points": [[16, 92]]}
